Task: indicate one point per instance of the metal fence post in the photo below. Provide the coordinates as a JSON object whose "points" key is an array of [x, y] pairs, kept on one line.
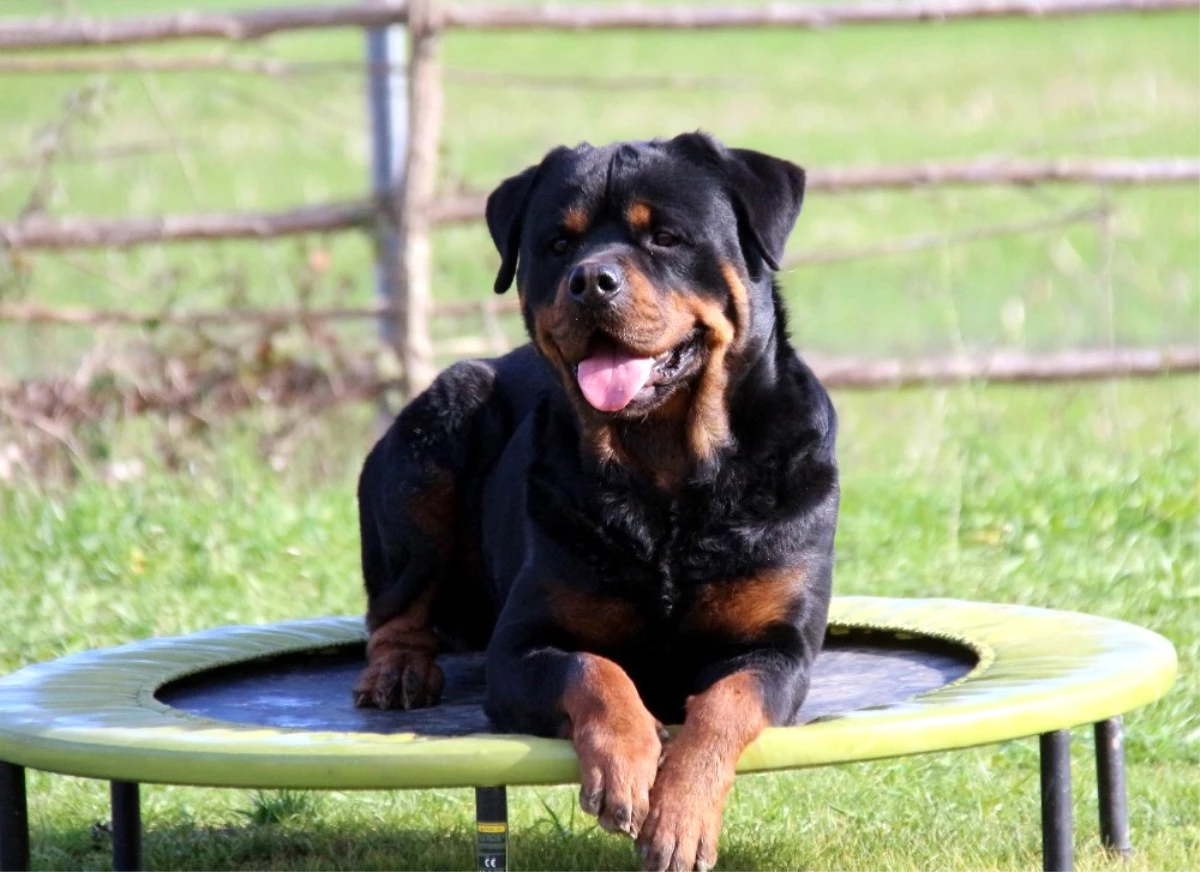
{"points": [[387, 104]]}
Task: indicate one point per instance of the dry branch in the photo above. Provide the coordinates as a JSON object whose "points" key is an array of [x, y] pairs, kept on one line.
{"points": [[1007, 172], [464, 207], [1005, 366], [223, 62], [565, 16], [221, 389], [33, 313], [119, 151], [62, 33], [63, 233]]}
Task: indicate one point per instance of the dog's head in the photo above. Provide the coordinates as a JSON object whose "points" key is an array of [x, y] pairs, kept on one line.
{"points": [[644, 268]]}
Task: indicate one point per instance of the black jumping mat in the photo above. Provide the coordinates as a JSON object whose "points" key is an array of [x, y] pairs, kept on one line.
{"points": [[311, 690]]}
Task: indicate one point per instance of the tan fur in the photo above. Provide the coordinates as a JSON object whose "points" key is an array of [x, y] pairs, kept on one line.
{"points": [[617, 742], [638, 217], [576, 221], [746, 608], [698, 768], [595, 621]]}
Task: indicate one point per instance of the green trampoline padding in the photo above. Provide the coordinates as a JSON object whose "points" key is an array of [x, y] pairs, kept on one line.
{"points": [[96, 714]]}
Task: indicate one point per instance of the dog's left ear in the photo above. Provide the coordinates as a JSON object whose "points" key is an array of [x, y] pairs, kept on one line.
{"points": [[505, 218], [768, 192]]}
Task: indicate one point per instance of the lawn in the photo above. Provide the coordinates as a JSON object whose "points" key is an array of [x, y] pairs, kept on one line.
{"points": [[1083, 497]]}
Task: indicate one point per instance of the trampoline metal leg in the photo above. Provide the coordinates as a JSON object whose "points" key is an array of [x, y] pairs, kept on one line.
{"points": [[491, 829], [1110, 779], [1057, 840], [126, 827], [14, 819]]}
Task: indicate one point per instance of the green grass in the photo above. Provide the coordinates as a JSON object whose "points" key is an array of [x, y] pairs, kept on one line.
{"points": [[1082, 497], [1072, 497]]}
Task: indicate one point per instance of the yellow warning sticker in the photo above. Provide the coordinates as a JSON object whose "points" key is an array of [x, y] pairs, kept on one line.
{"points": [[493, 828]]}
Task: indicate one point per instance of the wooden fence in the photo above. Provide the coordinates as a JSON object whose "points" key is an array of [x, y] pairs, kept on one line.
{"points": [[414, 209]]}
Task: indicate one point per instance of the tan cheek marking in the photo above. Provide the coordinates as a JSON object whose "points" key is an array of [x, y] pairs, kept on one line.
{"points": [[638, 217], [747, 608], [741, 301], [708, 423], [644, 314]]}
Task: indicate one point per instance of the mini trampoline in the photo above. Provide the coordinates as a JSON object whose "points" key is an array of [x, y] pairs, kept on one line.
{"points": [[270, 707]]}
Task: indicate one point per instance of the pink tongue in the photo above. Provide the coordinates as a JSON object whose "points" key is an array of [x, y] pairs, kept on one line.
{"points": [[610, 379]]}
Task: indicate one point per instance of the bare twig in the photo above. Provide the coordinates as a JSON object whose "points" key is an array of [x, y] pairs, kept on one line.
{"points": [[62, 33], [237, 26], [118, 151], [216, 62], [33, 313], [1005, 366], [464, 207], [56, 138], [60, 233], [224, 62], [811, 16], [1008, 172]]}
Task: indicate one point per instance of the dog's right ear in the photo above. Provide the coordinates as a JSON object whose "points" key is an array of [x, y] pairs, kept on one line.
{"points": [[506, 208]]}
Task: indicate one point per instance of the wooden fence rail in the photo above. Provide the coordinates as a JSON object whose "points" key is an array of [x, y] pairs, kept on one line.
{"points": [[225, 62], [490, 307], [413, 209], [65, 233], [237, 26]]}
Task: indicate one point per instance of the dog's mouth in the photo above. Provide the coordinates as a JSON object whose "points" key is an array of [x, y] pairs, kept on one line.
{"points": [[613, 377]]}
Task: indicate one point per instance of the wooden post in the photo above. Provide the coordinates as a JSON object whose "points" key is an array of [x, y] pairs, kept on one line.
{"points": [[415, 269]]}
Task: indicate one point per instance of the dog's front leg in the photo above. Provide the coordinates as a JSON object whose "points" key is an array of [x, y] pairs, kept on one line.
{"points": [[590, 700], [700, 761]]}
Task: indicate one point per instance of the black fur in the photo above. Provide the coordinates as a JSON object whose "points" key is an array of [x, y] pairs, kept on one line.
{"points": [[534, 507]]}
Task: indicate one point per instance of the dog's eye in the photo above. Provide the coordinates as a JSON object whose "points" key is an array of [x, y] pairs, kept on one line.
{"points": [[663, 239], [560, 245]]}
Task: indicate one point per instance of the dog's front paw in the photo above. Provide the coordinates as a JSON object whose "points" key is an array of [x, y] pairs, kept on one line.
{"points": [[618, 760], [681, 830], [403, 679]]}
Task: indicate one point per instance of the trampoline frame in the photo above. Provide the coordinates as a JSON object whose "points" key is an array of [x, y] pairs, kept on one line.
{"points": [[491, 809], [1039, 673]]}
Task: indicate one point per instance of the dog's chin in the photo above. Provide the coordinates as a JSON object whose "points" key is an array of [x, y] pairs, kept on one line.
{"points": [[671, 371]]}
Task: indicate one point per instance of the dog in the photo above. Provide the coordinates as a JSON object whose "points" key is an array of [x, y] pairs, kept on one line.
{"points": [[634, 513]]}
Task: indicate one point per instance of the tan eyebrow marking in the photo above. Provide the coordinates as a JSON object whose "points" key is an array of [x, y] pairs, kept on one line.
{"points": [[638, 216], [575, 220]]}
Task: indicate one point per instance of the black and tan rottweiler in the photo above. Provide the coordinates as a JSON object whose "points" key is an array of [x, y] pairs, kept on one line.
{"points": [[634, 513]]}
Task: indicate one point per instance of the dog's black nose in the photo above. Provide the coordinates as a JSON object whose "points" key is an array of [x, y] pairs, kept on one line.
{"points": [[595, 284]]}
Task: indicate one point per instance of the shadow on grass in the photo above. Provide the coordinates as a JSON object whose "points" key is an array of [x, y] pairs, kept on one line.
{"points": [[302, 846]]}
